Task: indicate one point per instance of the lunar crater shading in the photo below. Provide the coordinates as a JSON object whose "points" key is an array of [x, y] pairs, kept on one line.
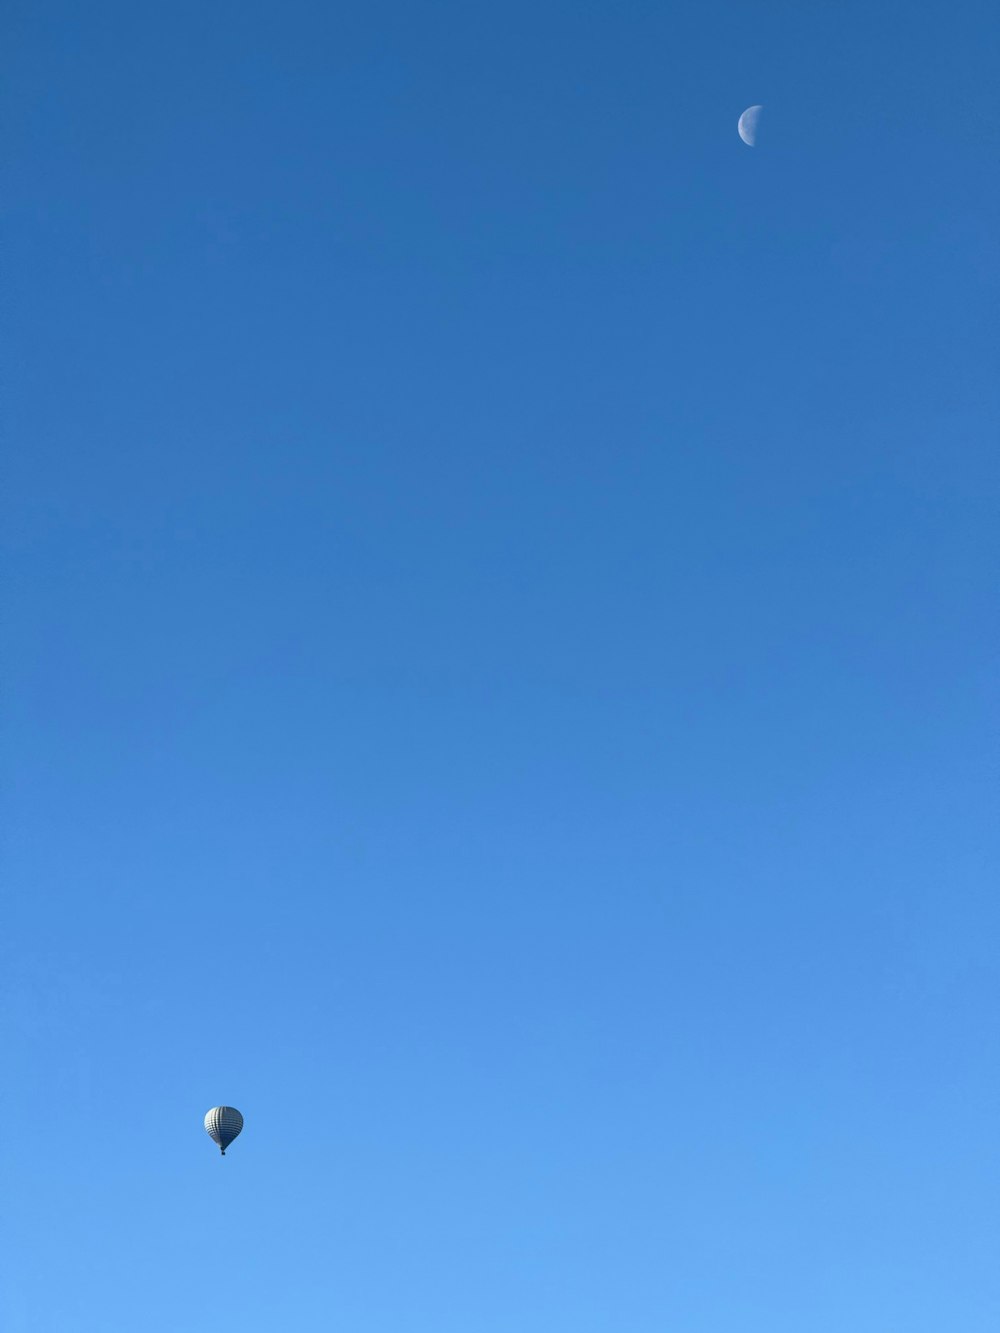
{"points": [[748, 124]]}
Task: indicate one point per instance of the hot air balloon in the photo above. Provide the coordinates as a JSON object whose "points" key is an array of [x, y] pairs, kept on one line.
{"points": [[222, 1124]]}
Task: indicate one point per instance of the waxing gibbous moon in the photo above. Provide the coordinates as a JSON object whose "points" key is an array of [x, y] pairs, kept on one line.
{"points": [[747, 125]]}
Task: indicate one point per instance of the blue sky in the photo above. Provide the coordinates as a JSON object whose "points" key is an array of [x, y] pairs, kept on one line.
{"points": [[500, 628]]}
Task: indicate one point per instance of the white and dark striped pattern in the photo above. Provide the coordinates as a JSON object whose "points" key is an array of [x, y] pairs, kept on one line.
{"points": [[222, 1124]]}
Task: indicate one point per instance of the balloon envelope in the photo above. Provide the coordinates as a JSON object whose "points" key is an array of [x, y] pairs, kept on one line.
{"points": [[222, 1124]]}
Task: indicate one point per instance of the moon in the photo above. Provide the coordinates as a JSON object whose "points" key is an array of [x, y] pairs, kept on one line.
{"points": [[747, 125]]}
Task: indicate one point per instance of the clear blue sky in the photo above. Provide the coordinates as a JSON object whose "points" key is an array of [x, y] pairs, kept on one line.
{"points": [[500, 620]]}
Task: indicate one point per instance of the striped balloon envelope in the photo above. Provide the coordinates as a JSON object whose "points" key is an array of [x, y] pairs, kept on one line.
{"points": [[222, 1124]]}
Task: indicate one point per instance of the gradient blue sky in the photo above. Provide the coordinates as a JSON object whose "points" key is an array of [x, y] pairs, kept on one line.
{"points": [[500, 619]]}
